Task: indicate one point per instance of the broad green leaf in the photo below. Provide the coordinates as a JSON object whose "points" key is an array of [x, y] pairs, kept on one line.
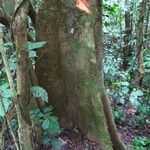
{"points": [[125, 90], [4, 86], [32, 54], [56, 143], [139, 93], [48, 109], [46, 124], [47, 139], [35, 45], [38, 91], [134, 97], [8, 44], [7, 102], [125, 83], [13, 66], [8, 6], [122, 100], [54, 125], [6, 93]]}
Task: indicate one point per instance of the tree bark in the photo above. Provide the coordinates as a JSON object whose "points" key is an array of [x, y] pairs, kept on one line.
{"points": [[48, 64], [72, 56], [147, 27], [23, 83], [127, 49], [80, 69], [116, 141], [139, 41]]}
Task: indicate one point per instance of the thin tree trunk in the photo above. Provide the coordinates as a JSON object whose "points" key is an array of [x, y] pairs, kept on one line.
{"points": [[14, 93], [117, 143], [147, 27], [139, 41], [9, 124], [127, 49], [23, 83]]}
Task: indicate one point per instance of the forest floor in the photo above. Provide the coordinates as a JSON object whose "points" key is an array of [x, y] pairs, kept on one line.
{"points": [[127, 128], [73, 139]]}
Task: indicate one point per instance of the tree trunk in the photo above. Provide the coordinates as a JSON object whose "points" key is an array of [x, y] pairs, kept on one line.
{"points": [[127, 49], [72, 56], [139, 41], [147, 27], [48, 64], [80, 69], [117, 143], [19, 30]]}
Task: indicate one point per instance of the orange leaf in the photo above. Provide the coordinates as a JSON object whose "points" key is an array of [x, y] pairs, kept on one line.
{"points": [[83, 5]]}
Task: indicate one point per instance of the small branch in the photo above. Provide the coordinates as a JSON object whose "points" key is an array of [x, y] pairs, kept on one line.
{"points": [[5, 19], [10, 79], [32, 12], [9, 124], [4, 128]]}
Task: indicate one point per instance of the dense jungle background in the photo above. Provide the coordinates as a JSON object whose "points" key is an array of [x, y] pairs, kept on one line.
{"points": [[74, 74]]}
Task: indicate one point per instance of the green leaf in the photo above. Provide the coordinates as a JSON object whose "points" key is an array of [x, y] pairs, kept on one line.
{"points": [[7, 93], [13, 65], [32, 54], [4, 86], [134, 97], [38, 91], [35, 111], [125, 83], [8, 7], [134, 100], [56, 143], [139, 93], [35, 45], [48, 109], [47, 140], [54, 125], [46, 124], [122, 100], [8, 44], [106, 24], [7, 103], [125, 90]]}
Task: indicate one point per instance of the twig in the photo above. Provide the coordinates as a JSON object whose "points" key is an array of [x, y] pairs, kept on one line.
{"points": [[9, 124]]}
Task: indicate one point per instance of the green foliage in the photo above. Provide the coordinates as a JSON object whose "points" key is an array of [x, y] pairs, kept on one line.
{"points": [[117, 81], [35, 45], [135, 96], [146, 54], [12, 63], [5, 96], [49, 125], [38, 91], [7, 104], [143, 111], [118, 114], [120, 82], [8, 7], [37, 4], [111, 9], [56, 143], [141, 143]]}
